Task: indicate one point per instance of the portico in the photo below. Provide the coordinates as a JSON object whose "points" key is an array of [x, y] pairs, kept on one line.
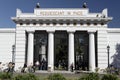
{"points": [[49, 21], [71, 51]]}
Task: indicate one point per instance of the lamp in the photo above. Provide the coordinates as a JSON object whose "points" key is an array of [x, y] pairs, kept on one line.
{"points": [[108, 51], [13, 55]]}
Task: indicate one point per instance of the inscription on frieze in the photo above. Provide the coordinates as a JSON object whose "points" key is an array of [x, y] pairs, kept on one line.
{"points": [[60, 13]]}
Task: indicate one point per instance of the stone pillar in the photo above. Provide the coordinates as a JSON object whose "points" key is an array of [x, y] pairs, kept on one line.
{"points": [[50, 51], [91, 51], [71, 50], [43, 52], [30, 48]]}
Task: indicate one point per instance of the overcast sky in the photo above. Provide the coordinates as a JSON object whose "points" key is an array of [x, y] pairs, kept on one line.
{"points": [[8, 8]]}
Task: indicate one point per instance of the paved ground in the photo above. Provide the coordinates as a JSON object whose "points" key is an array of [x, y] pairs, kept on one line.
{"points": [[64, 73]]}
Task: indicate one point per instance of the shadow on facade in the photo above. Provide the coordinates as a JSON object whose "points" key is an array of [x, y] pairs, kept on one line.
{"points": [[116, 57]]}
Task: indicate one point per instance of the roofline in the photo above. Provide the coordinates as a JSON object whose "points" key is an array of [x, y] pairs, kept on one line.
{"points": [[113, 30], [7, 30]]}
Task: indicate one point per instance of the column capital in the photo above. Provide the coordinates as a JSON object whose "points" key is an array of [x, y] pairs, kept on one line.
{"points": [[71, 31], [30, 31], [50, 31], [91, 31]]}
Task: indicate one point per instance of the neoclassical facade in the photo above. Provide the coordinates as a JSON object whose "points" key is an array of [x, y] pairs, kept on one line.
{"points": [[61, 38]]}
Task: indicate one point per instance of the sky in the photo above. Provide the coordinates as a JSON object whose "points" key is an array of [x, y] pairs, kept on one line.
{"points": [[8, 8]]}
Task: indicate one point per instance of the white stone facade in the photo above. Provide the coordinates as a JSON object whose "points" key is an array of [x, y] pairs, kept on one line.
{"points": [[7, 40], [69, 20]]}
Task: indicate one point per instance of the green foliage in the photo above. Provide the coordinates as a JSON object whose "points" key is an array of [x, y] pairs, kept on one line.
{"points": [[109, 77], [19, 77], [26, 77], [5, 76], [97, 69], [91, 76], [56, 77]]}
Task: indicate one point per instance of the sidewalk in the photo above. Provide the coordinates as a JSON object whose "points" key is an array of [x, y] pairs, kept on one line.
{"points": [[68, 74], [56, 71]]}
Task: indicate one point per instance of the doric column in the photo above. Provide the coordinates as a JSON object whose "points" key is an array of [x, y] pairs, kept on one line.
{"points": [[91, 51], [50, 51], [30, 47], [71, 50]]}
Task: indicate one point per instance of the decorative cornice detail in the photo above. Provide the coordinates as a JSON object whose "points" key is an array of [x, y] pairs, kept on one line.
{"points": [[22, 19]]}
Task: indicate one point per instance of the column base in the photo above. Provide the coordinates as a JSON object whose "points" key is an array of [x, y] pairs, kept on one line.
{"points": [[50, 68]]}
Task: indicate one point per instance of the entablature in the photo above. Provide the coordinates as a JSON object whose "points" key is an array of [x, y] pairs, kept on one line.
{"points": [[61, 20], [61, 16]]}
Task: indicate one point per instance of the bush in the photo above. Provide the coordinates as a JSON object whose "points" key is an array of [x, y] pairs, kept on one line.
{"points": [[109, 77], [26, 77], [5, 76], [32, 77], [91, 76], [19, 77], [56, 77]]}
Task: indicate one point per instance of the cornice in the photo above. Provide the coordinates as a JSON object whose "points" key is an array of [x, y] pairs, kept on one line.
{"points": [[98, 19]]}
